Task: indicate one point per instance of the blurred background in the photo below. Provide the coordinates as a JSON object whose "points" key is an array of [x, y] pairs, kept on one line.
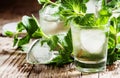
{"points": [[13, 10]]}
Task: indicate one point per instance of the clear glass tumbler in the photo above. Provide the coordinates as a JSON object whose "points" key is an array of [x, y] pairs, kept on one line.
{"points": [[50, 25], [89, 47], [50, 22]]}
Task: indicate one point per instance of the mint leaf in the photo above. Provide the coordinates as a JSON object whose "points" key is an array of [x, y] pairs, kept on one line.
{"points": [[87, 20], [68, 40], [64, 53], [52, 42], [75, 5], [9, 33], [66, 15], [103, 16], [15, 40], [37, 34], [70, 9], [113, 4], [20, 27], [29, 24], [114, 41], [23, 41]]}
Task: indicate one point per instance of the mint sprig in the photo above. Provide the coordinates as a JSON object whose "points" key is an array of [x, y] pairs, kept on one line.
{"points": [[27, 24], [61, 43], [71, 9], [114, 40]]}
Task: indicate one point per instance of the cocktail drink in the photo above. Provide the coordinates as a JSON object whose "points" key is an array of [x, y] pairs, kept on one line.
{"points": [[89, 47], [50, 25], [50, 22]]}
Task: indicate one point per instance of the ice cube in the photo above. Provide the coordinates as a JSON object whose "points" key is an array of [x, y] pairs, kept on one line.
{"points": [[48, 13], [50, 22], [42, 54], [38, 54], [92, 40], [91, 6]]}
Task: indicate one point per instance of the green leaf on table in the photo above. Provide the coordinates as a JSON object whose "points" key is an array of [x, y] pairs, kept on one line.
{"points": [[37, 33], [20, 27], [18, 42], [23, 41], [15, 40], [9, 33], [29, 24]]}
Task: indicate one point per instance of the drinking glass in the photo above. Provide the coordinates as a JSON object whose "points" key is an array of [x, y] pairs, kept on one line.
{"points": [[50, 25], [50, 22], [89, 47]]}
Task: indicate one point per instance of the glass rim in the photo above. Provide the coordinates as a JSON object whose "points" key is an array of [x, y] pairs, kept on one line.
{"points": [[86, 26], [73, 24]]}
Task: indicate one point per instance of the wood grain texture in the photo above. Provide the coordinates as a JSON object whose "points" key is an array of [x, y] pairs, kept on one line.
{"points": [[68, 71], [13, 65]]}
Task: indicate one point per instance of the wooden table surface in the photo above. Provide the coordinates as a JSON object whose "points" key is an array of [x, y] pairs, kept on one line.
{"points": [[13, 65]]}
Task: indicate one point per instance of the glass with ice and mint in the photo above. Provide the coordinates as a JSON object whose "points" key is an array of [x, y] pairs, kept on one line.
{"points": [[89, 37], [51, 24], [50, 21], [90, 48]]}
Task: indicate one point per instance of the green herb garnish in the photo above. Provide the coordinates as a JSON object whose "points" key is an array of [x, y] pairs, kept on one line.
{"points": [[114, 40], [63, 46], [9, 33]]}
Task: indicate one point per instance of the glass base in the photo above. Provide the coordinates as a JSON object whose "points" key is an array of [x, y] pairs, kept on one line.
{"points": [[90, 68]]}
